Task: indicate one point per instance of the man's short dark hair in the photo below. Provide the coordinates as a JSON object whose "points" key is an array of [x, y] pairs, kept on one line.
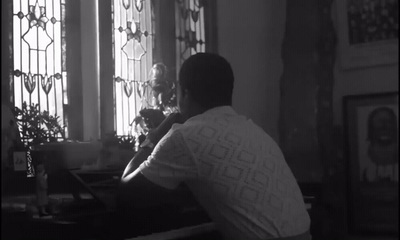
{"points": [[209, 79]]}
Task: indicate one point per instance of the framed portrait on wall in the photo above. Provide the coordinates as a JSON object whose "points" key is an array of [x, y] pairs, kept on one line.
{"points": [[367, 32], [371, 130]]}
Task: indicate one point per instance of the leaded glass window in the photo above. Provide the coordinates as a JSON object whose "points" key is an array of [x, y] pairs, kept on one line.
{"points": [[190, 32], [39, 56], [133, 57], [133, 45]]}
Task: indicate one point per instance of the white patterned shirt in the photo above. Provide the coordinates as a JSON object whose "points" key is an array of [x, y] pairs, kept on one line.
{"points": [[236, 172]]}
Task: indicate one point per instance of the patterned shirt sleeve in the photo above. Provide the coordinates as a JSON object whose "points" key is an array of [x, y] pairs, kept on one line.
{"points": [[170, 163]]}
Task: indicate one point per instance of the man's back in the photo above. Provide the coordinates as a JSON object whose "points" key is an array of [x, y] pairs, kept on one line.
{"points": [[244, 180], [237, 173]]}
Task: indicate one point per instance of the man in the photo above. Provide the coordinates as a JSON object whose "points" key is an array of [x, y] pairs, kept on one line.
{"points": [[232, 167]]}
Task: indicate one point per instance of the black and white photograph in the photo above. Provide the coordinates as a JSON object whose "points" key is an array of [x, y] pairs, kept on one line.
{"points": [[199, 120], [373, 161]]}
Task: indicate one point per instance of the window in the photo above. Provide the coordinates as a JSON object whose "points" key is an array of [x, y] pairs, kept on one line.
{"points": [[133, 58], [190, 34], [134, 40], [137, 40], [39, 72]]}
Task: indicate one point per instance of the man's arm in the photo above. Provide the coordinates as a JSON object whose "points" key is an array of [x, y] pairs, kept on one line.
{"points": [[132, 169], [135, 189], [152, 139]]}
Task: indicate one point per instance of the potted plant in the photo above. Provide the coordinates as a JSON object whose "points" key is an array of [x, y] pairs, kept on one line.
{"points": [[37, 127]]}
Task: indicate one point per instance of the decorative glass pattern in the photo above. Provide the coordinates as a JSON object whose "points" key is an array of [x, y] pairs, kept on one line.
{"points": [[39, 74], [190, 35], [133, 57]]}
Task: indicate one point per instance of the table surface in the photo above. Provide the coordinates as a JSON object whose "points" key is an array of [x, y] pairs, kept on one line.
{"points": [[98, 182]]}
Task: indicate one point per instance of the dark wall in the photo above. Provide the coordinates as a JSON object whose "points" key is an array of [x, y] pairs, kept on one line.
{"points": [[307, 134]]}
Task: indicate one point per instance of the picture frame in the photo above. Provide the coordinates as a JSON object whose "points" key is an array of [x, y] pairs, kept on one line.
{"points": [[371, 144], [367, 33]]}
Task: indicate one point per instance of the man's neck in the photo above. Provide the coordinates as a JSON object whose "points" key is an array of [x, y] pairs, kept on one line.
{"points": [[194, 110]]}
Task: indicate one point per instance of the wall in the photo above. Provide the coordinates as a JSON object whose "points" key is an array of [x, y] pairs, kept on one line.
{"points": [[355, 81], [250, 37]]}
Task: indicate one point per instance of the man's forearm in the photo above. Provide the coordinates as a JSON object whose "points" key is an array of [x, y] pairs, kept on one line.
{"points": [[138, 159], [153, 137]]}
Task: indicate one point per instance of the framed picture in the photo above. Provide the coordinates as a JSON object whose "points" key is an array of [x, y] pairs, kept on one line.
{"points": [[371, 129], [367, 32]]}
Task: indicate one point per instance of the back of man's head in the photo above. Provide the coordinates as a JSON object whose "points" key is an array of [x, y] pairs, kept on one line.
{"points": [[208, 78]]}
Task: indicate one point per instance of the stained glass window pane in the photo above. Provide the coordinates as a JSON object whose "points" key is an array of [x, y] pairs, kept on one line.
{"points": [[190, 33], [39, 75], [133, 58]]}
